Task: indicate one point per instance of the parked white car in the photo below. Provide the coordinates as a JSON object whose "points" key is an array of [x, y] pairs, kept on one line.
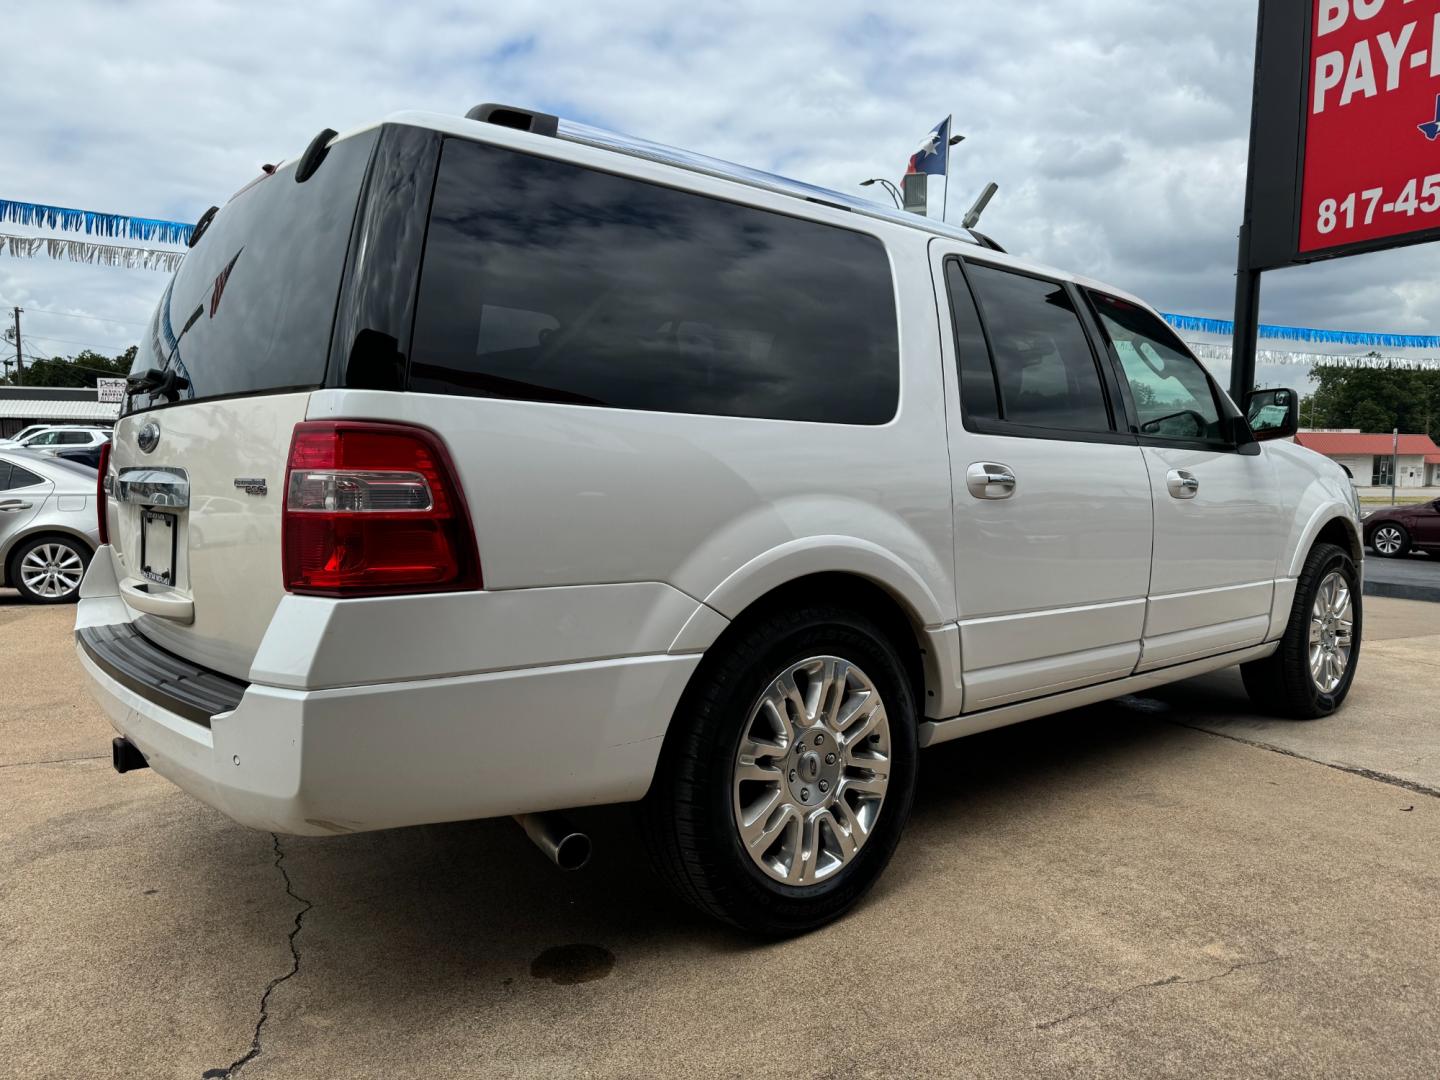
{"points": [[499, 465], [51, 438]]}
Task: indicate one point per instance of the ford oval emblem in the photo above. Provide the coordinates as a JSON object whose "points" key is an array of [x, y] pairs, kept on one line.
{"points": [[149, 436]]}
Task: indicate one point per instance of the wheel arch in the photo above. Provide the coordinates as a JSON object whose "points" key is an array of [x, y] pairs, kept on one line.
{"points": [[1329, 524], [889, 607], [1342, 533]]}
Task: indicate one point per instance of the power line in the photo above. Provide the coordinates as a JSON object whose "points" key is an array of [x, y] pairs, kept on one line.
{"points": [[72, 341], [97, 318]]}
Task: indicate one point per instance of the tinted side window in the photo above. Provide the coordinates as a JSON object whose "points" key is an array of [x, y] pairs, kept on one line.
{"points": [[977, 376], [1043, 360], [4, 475], [74, 438], [1173, 396], [550, 282], [20, 478]]}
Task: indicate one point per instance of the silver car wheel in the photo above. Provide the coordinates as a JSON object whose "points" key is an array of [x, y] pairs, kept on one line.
{"points": [[52, 570], [1387, 540], [811, 770], [1332, 619]]}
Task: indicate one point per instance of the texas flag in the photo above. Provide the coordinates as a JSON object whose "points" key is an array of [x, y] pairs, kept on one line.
{"points": [[930, 156]]}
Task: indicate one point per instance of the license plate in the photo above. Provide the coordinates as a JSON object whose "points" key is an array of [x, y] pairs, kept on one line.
{"points": [[157, 546]]}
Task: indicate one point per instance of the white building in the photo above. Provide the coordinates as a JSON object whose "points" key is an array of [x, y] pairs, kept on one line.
{"points": [[21, 406], [1370, 458]]}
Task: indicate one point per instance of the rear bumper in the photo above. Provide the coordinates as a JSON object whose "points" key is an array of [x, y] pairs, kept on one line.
{"points": [[356, 746], [380, 756]]}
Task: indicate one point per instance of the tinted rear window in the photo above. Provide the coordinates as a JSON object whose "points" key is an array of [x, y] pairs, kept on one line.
{"points": [[251, 307], [547, 281]]}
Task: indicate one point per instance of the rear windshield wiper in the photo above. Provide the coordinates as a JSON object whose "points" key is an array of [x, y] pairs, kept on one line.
{"points": [[157, 383]]}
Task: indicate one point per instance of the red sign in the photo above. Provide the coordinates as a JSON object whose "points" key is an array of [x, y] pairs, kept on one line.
{"points": [[1372, 132]]}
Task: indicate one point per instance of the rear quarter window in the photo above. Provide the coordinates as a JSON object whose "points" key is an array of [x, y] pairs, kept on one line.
{"points": [[547, 281]]}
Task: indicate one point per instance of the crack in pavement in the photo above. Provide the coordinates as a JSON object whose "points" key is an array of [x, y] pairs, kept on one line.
{"points": [[1353, 770], [1169, 980], [250, 1055], [54, 760]]}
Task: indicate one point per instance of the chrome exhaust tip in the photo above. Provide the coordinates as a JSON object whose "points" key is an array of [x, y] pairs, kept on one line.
{"points": [[565, 846]]}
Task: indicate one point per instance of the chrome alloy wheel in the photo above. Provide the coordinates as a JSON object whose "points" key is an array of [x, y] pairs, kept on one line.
{"points": [[1331, 621], [52, 570], [1387, 540], [811, 770]]}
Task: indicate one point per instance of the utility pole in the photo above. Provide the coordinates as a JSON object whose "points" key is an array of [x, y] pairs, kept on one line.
{"points": [[19, 356], [1394, 463]]}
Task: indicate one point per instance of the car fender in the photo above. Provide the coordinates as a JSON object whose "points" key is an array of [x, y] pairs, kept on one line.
{"points": [[809, 555]]}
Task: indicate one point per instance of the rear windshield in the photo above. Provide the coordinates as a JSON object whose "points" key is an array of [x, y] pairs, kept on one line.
{"points": [[251, 307]]}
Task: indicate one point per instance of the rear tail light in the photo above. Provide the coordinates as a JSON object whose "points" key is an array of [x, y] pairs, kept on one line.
{"points": [[373, 509], [101, 507]]}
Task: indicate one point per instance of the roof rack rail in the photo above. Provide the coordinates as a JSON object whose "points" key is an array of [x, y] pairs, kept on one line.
{"points": [[539, 123]]}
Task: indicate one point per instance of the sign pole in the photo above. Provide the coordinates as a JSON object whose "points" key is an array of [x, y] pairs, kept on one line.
{"points": [[1245, 345], [1394, 462], [1246, 331]]}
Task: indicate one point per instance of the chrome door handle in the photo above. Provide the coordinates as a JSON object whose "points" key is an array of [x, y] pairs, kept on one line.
{"points": [[990, 480], [15, 504], [1182, 485]]}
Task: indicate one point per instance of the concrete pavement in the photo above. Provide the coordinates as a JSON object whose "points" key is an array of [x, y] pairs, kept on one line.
{"points": [[1111, 892]]}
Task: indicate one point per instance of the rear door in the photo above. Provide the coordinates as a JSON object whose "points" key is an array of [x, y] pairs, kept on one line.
{"points": [[1218, 524], [1052, 503], [22, 493], [197, 466]]}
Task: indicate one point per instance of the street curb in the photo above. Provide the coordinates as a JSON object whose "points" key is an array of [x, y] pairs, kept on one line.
{"points": [[1403, 592]]}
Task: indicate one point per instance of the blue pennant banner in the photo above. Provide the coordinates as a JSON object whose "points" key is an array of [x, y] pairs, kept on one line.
{"points": [[65, 219], [1193, 324]]}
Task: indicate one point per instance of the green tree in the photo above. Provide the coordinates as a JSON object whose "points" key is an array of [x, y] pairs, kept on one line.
{"points": [[79, 370], [1373, 399]]}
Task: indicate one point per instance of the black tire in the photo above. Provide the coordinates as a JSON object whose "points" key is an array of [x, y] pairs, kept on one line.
{"points": [[1404, 536], [688, 816], [57, 541], [1282, 683]]}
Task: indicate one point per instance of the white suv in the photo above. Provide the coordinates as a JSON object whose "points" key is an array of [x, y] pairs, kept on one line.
{"points": [[53, 438], [499, 465]]}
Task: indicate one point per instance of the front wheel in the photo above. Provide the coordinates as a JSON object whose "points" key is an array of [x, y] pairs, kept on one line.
{"points": [[1390, 541], [789, 772], [1310, 674]]}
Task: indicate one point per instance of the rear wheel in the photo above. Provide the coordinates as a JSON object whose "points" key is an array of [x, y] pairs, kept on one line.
{"points": [[48, 569], [1310, 674], [1390, 541], [789, 773]]}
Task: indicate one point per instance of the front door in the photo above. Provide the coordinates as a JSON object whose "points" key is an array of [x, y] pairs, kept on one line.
{"points": [[1217, 523], [1051, 502]]}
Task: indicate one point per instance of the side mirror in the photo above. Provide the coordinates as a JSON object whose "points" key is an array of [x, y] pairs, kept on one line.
{"points": [[1272, 414]]}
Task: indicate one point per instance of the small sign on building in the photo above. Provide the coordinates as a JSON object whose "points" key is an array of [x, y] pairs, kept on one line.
{"points": [[110, 391]]}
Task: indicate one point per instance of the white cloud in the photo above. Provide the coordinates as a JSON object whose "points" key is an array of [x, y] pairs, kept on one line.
{"points": [[1115, 129]]}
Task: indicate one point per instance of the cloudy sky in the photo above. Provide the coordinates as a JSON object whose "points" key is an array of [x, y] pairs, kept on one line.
{"points": [[1115, 128]]}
